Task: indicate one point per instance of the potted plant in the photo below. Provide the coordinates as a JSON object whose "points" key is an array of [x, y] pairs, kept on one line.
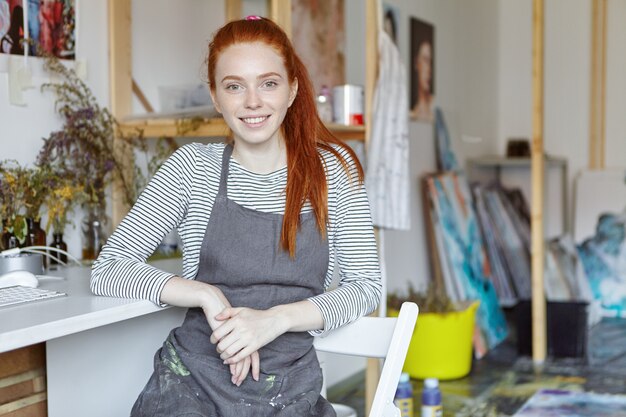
{"points": [[38, 181], [23, 193], [65, 193], [85, 149], [441, 346], [13, 184]]}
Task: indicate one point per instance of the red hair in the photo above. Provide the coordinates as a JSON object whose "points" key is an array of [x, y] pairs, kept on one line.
{"points": [[304, 132]]}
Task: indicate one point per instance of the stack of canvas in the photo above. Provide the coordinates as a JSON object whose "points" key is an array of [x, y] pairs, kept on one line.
{"points": [[564, 277], [506, 229], [504, 221], [458, 250]]}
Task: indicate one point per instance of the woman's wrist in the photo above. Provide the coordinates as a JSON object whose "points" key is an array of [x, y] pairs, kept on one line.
{"points": [[212, 301], [301, 316], [283, 317], [183, 292]]}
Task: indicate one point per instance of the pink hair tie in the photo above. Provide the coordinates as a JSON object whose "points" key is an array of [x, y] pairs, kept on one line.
{"points": [[253, 17]]}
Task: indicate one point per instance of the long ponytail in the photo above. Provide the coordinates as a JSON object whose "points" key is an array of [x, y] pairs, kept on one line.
{"points": [[304, 132]]}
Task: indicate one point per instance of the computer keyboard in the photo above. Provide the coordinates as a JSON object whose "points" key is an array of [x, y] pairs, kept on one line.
{"points": [[19, 295]]}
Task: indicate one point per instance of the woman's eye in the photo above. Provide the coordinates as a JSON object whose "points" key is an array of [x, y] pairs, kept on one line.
{"points": [[233, 87], [270, 84]]}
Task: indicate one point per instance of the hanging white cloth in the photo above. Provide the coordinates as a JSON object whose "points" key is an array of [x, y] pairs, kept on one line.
{"points": [[387, 176]]}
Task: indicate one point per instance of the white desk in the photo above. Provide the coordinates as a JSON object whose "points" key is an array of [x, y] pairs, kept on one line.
{"points": [[99, 350]]}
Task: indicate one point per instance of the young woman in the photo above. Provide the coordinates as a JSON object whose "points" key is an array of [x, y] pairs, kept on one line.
{"points": [[263, 222]]}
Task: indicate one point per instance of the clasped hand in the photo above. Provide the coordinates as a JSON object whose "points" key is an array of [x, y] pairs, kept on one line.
{"points": [[243, 332]]}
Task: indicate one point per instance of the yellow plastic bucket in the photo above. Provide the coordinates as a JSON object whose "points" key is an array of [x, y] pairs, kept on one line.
{"points": [[441, 346]]}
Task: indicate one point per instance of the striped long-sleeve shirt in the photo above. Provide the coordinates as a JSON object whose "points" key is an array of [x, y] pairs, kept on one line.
{"points": [[181, 195]]}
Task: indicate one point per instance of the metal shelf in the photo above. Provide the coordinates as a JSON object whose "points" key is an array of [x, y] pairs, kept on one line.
{"points": [[497, 163], [501, 161]]}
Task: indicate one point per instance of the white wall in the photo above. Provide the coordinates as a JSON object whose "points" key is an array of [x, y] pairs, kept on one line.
{"points": [[466, 54], [170, 43], [567, 71], [514, 86]]}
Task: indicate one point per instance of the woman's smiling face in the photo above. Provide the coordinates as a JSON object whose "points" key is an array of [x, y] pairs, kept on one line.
{"points": [[252, 92]]}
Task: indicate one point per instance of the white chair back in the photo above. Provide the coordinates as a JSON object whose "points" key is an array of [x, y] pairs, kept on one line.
{"points": [[377, 337]]}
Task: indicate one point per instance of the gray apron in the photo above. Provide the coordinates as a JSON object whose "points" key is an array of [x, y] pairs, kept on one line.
{"points": [[242, 256]]}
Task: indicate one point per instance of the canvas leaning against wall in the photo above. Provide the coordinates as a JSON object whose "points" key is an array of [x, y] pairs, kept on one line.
{"points": [[604, 259], [465, 269], [319, 37], [600, 232], [422, 70], [43, 27]]}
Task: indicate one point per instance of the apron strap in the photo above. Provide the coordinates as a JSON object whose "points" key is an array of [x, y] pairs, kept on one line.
{"points": [[223, 190]]}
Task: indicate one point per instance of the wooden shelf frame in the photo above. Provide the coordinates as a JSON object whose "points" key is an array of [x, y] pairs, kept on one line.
{"points": [[278, 10], [121, 84], [215, 127]]}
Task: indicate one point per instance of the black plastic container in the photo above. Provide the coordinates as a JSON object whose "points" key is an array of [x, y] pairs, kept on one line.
{"points": [[566, 328]]}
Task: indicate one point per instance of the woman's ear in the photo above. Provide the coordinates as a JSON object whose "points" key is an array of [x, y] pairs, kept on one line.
{"points": [[217, 106], [293, 91]]}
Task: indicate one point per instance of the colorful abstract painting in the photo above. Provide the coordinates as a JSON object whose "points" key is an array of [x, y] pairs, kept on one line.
{"points": [[51, 28], [462, 256], [43, 27], [557, 403], [604, 259]]}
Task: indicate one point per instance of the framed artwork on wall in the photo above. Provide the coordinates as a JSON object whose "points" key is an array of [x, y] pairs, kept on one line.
{"points": [[422, 70], [48, 25], [11, 27], [51, 27]]}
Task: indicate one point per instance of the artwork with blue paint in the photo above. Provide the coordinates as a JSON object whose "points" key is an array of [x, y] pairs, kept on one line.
{"points": [[455, 221], [446, 160], [604, 259], [553, 403]]}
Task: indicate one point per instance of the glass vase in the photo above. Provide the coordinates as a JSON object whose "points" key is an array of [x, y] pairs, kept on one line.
{"points": [[10, 239], [37, 236], [27, 241], [93, 232], [58, 243]]}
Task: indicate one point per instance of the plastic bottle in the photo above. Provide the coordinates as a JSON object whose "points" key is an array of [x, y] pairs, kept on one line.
{"points": [[324, 105], [404, 396], [431, 399]]}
